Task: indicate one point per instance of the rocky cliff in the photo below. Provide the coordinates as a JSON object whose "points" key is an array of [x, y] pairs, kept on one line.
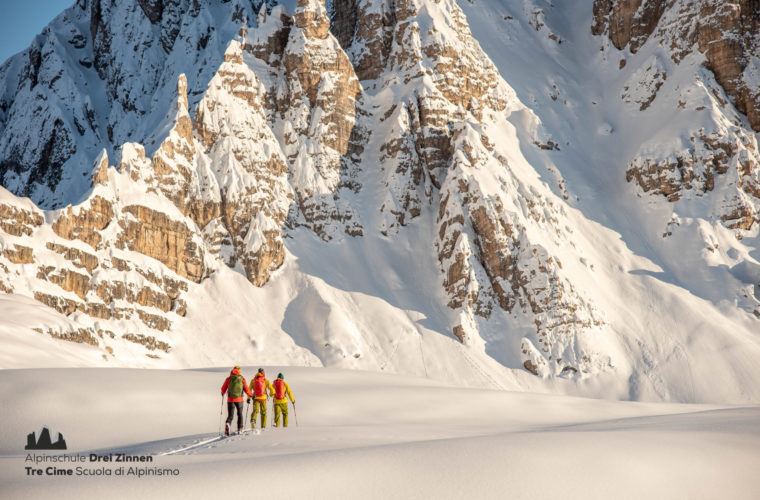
{"points": [[279, 139], [727, 33], [725, 38]]}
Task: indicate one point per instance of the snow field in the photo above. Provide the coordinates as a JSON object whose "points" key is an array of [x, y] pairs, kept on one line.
{"points": [[373, 435]]}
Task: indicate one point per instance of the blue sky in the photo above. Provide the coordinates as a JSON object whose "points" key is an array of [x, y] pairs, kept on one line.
{"points": [[21, 20]]}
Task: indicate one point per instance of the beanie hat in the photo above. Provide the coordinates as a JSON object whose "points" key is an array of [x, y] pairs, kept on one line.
{"points": [[236, 368], [279, 375]]}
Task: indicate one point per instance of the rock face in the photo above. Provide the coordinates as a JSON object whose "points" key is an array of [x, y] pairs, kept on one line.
{"points": [[718, 157], [438, 140], [76, 272], [317, 116], [733, 153], [253, 194], [726, 32], [290, 129], [99, 76]]}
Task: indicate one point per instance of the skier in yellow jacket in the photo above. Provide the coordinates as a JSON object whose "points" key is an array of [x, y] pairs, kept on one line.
{"points": [[260, 387], [281, 389]]}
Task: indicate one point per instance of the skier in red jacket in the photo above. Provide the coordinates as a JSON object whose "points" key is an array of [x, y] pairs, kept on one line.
{"points": [[234, 386]]}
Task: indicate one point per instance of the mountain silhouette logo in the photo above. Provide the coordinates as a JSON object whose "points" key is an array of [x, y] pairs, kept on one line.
{"points": [[44, 442]]}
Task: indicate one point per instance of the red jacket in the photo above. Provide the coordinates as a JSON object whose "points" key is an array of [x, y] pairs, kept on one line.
{"points": [[227, 384]]}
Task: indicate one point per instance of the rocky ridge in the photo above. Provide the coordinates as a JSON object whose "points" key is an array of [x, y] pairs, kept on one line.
{"points": [[254, 130], [720, 156], [102, 74], [85, 262], [281, 138], [440, 135], [727, 33]]}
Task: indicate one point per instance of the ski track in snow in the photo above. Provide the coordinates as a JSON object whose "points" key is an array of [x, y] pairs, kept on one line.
{"points": [[194, 446], [210, 442]]}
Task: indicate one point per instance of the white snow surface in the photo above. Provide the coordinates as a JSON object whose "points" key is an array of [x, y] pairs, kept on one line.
{"points": [[371, 435]]}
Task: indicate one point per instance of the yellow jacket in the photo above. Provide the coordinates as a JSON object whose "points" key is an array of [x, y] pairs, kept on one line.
{"points": [[286, 392]]}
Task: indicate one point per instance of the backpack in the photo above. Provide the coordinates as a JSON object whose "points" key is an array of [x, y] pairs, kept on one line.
{"points": [[259, 386], [279, 389], [235, 389]]}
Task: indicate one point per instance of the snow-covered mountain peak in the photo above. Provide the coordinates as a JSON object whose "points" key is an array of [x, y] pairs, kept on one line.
{"points": [[418, 186]]}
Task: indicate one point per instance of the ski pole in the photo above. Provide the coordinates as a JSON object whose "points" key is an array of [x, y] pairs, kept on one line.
{"points": [[271, 422], [221, 412], [295, 414], [245, 419], [247, 407]]}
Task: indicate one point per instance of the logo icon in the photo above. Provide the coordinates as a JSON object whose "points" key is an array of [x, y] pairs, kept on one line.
{"points": [[44, 442]]}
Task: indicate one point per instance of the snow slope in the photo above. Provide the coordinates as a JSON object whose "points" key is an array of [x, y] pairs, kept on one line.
{"points": [[372, 435], [669, 276]]}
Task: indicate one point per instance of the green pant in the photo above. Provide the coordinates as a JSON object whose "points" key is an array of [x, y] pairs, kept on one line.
{"points": [[281, 408], [259, 404]]}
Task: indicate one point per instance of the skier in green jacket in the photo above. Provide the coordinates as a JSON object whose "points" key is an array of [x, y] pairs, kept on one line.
{"points": [[234, 386]]}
